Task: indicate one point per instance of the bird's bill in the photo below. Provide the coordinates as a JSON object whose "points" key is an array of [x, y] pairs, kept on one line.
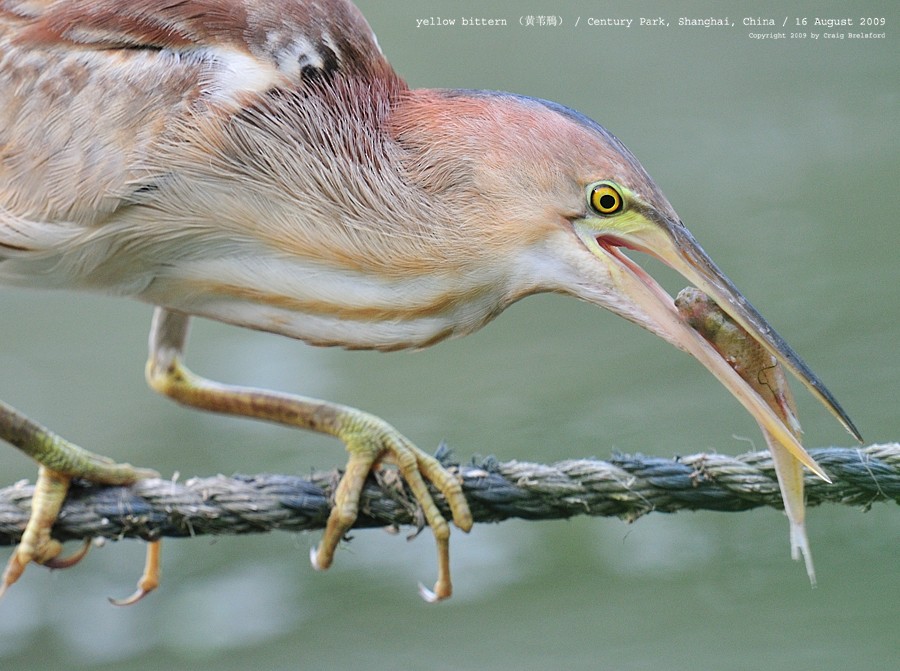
{"points": [[675, 246]]}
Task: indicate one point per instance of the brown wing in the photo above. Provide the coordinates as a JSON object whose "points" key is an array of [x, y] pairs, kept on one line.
{"points": [[88, 88], [288, 33]]}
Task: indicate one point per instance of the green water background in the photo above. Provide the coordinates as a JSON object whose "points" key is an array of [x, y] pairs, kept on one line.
{"points": [[781, 156]]}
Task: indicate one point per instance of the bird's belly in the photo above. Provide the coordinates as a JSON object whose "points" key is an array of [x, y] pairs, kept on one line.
{"points": [[326, 306]]}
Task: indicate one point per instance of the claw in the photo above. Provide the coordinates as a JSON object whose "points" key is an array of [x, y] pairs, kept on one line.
{"points": [[415, 466], [60, 461], [428, 596], [14, 569], [36, 545], [149, 579], [314, 559], [442, 590], [71, 560]]}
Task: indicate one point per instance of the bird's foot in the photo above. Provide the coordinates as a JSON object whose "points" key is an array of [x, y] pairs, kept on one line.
{"points": [[371, 441], [37, 545], [60, 461]]}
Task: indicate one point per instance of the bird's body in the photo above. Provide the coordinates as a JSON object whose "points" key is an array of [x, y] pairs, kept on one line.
{"points": [[143, 190], [260, 163], [366, 210]]}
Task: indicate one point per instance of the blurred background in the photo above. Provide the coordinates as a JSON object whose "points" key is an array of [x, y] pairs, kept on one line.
{"points": [[781, 157]]}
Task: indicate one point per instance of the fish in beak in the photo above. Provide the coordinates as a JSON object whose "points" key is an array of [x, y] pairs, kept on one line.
{"points": [[764, 374], [644, 229]]}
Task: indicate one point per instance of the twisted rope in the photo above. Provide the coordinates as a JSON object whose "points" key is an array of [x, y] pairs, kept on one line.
{"points": [[626, 486]]}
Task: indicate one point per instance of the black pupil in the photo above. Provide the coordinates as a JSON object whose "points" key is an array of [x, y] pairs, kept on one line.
{"points": [[607, 201]]}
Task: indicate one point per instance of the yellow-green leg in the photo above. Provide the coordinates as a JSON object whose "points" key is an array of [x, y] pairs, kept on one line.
{"points": [[368, 439], [60, 461]]}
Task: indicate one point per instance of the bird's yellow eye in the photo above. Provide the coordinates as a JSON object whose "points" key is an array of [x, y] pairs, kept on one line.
{"points": [[606, 199]]}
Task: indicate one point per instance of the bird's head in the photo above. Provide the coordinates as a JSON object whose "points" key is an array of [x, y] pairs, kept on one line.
{"points": [[567, 198]]}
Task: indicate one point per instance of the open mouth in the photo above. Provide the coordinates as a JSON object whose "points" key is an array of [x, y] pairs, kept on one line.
{"points": [[613, 246], [659, 314]]}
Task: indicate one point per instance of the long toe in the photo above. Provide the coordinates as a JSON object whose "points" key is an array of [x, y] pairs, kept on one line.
{"points": [[371, 441], [149, 579]]}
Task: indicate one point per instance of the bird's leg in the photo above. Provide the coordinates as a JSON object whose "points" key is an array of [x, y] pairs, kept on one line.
{"points": [[368, 440], [60, 461]]}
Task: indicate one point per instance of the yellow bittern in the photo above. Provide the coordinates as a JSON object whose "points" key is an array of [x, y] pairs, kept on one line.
{"points": [[259, 162]]}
